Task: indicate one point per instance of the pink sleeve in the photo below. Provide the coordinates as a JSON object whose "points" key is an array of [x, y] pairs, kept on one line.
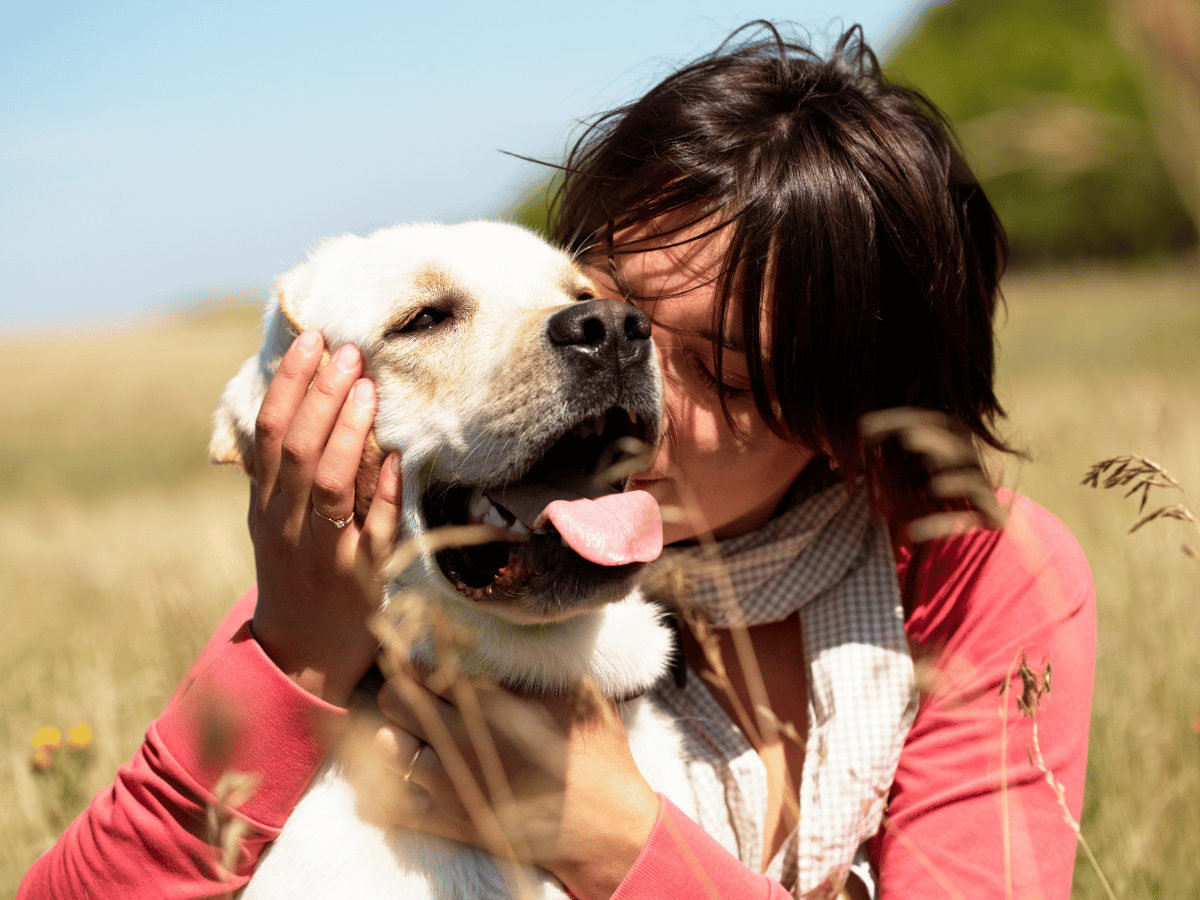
{"points": [[235, 720], [982, 601], [681, 860]]}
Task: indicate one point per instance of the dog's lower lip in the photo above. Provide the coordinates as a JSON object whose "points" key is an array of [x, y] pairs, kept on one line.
{"points": [[508, 579]]}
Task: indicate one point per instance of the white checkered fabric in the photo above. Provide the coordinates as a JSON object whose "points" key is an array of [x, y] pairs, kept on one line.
{"points": [[826, 557]]}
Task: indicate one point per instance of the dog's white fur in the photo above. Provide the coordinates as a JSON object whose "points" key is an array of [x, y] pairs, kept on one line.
{"points": [[467, 402]]}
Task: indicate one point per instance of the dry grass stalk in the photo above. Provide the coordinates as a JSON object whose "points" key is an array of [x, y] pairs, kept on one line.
{"points": [[408, 619], [952, 461], [1140, 475], [1034, 686], [624, 457], [226, 827]]}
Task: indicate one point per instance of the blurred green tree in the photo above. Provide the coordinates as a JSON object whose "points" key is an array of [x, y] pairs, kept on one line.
{"points": [[1161, 39], [1051, 108], [532, 207]]}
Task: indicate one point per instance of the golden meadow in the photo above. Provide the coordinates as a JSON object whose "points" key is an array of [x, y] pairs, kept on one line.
{"points": [[120, 548]]}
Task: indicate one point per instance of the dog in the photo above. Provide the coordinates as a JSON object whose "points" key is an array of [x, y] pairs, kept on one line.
{"points": [[506, 384]]}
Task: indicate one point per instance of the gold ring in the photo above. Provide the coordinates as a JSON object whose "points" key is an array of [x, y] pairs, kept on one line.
{"points": [[412, 764], [340, 523]]}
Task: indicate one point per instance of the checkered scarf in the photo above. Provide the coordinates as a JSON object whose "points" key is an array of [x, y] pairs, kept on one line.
{"points": [[826, 557]]}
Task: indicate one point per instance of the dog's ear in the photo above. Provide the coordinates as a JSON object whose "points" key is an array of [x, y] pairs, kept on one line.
{"points": [[287, 300], [232, 440]]}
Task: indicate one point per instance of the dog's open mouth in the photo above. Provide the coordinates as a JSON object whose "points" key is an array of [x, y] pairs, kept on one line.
{"points": [[568, 510]]}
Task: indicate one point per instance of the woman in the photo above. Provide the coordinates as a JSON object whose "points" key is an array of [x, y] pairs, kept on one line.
{"points": [[812, 249]]}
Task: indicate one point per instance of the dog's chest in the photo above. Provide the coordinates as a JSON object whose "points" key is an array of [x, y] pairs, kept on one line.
{"points": [[327, 851]]}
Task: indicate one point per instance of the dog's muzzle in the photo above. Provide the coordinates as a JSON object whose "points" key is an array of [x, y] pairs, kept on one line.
{"points": [[570, 523]]}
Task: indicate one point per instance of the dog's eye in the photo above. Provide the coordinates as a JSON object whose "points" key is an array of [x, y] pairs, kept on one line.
{"points": [[424, 320], [584, 295]]}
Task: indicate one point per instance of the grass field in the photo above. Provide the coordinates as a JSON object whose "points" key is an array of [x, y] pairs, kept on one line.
{"points": [[120, 548]]}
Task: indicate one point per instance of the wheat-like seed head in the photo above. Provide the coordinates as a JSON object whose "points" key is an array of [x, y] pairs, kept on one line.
{"points": [[1140, 475]]}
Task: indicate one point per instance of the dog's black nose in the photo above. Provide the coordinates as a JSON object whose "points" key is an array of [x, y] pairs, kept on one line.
{"points": [[604, 332]]}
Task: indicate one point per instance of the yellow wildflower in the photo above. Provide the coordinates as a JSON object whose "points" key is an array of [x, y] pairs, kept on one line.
{"points": [[79, 736], [46, 737]]}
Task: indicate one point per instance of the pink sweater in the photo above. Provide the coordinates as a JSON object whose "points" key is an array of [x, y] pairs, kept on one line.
{"points": [[979, 602]]}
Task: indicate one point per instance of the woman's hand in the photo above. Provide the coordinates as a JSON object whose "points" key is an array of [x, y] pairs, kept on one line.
{"points": [[549, 781], [317, 582]]}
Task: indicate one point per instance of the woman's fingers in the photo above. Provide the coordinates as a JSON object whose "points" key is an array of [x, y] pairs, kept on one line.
{"points": [[414, 761], [458, 748], [312, 611], [482, 743], [377, 539], [381, 755], [333, 481], [283, 397], [418, 710], [435, 789], [313, 423]]}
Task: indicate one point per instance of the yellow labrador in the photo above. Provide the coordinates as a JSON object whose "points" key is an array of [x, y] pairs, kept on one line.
{"points": [[507, 387]]}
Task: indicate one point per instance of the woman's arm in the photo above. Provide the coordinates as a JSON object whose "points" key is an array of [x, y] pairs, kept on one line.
{"points": [[986, 601], [680, 860], [222, 768]]}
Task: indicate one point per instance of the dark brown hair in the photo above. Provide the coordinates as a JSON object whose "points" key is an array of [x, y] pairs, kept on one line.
{"points": [[856, 229]]}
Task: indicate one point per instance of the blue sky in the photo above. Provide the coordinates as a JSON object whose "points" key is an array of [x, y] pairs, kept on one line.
{"points": [[156, 154]]}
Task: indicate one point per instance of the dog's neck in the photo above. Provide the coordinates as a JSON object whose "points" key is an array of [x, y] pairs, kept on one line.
{"points": [[621, 648]]}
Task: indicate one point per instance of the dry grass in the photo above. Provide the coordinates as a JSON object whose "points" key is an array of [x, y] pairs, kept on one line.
{"points": [[120, 549], [1098, 364]]}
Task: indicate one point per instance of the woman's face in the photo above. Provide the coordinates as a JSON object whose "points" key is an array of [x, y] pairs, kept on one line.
{"points": [[725, 480]]}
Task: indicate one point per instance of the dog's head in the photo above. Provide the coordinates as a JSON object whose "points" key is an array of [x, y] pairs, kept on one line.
{"points": [[514, 396]]}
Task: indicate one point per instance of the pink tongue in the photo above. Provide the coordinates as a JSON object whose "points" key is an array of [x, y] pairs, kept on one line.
{"points": [[611, 530]]}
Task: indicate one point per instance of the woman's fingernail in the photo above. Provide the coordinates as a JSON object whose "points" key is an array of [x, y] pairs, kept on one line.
{"points": [[347, 357], [363, 393], [387, 742], [394, 463], [308, 341]]}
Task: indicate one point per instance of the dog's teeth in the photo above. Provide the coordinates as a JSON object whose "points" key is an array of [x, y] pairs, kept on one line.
{"points": [[633, 416], [479, 505], [519, 528], [492, 517], [543, 530], [590, 427]]}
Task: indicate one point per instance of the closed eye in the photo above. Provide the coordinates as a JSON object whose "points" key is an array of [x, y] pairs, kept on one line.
{"points": [[706, 378]]}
